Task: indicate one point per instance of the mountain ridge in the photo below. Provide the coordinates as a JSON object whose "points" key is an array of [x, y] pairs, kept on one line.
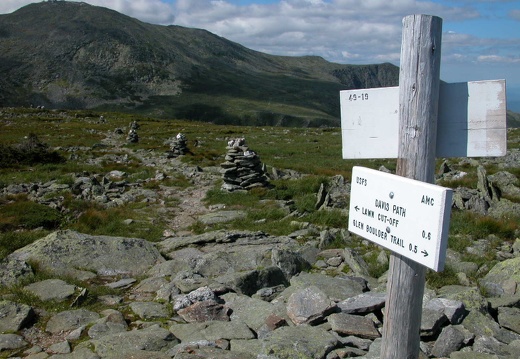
{"points": [[75, 55]]}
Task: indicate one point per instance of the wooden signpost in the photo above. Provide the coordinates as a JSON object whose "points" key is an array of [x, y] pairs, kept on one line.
{"points": [[416, 122]]}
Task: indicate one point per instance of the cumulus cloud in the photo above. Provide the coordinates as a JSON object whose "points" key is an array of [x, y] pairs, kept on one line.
{"points": [[153, 11], [498, 59], [8, 6]]}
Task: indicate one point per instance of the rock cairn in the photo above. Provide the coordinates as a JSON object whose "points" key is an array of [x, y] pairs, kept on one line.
{"points": [[178, 146], [243, 169], [132, 137]]}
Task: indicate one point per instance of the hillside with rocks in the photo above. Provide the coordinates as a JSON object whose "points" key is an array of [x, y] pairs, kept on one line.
{"points": [[73, 55], [242, 294]]}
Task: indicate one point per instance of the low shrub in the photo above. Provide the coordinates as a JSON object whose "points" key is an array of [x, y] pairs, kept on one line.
{"points": [[21, 213], [11, 241], [436, 280], [29, 151]]}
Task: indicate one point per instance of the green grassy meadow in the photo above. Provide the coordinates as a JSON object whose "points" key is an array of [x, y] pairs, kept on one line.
{"points": [[315, 152]]}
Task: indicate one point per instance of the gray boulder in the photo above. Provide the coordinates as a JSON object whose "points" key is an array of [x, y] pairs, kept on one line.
{"points": [[14, 316], [70, 320], [336, 288], [250, 282], [290, 342], [449, 341], [454, 310], [151, 342], [73, 253], [51, 289], [509, 318], [150, 310], [348, 324], [432, 321], [500, 277], [13, 271], [241, 306], [211, 331], [11, 341], [309, 306], [469, 296], [363, 303], [506, 182]]}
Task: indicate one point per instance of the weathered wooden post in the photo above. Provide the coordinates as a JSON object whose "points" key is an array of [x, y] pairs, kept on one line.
{"points": [[419, 80], [415, 122]]}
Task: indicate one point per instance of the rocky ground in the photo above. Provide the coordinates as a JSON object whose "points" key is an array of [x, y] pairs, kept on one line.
{"points": [[238, 294]]}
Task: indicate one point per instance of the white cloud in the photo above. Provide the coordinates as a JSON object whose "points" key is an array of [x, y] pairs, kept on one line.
{"points": [[153, 11], [498, 59], [8, 6]]}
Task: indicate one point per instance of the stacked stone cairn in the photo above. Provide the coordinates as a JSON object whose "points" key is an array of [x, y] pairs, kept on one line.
{"points": [[243, 169], [133, 137], [178, 146]]}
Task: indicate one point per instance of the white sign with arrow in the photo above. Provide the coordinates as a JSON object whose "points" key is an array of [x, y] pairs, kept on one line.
{"points": [[406, 216]]}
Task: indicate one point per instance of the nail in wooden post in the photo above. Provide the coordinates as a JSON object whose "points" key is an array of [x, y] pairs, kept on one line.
{"points": [[419, 81]]}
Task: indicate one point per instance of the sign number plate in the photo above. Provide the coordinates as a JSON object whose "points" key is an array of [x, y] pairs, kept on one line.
{"points": [[406, 216]]}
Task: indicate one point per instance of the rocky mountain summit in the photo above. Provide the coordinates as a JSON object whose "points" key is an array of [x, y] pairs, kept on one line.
{"points": [[238, 293]]}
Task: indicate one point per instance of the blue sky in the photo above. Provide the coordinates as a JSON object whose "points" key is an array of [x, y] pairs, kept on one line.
{"points": [[481, 38]]}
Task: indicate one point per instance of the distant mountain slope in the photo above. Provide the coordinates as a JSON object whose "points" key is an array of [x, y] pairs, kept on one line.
{"points": [[513, 119], [74, 55]]}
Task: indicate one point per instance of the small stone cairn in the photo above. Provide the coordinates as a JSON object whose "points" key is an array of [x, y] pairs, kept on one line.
{"points": [[178, 146], [133, 137], [243, 169]]}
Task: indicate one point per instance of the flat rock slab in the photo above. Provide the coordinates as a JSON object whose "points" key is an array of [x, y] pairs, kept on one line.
{"points": [[363, 303], [143, 341], [212, 331], [221, 217], [122, 283], [348, 324], [207, 310], [150, 310], [14, 316], [11, 341], [214, 353], [73, 253], [51, 289], [290, 342], [70, 320], [336, 288]]}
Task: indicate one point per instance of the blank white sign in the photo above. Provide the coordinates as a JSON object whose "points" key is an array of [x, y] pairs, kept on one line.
{"points": [[471, 122]]}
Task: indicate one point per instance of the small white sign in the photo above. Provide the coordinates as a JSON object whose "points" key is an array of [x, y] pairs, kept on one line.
{"points": [[471, 121], [406, 216]]}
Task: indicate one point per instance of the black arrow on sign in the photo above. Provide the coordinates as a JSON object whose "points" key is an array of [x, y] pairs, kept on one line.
{"points": [[425, 253], [356, 208]]}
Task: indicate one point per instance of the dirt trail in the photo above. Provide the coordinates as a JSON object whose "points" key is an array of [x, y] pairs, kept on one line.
{"points": [[189, 209], [190, 204]]}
